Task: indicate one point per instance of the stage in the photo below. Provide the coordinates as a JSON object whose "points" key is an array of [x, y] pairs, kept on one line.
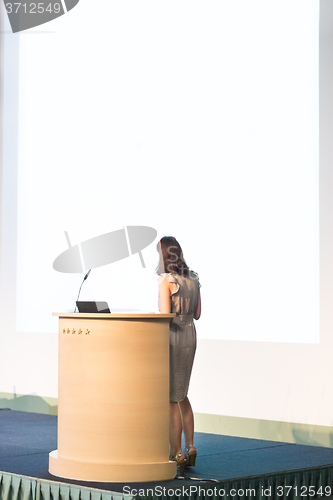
{"points": [[226, 467]]}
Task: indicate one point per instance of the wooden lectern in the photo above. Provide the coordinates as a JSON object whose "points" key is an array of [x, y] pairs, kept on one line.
{"points": [[113, 413]]}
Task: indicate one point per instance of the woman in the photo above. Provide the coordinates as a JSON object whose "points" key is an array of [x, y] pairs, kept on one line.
{"points": [[179, 292]]}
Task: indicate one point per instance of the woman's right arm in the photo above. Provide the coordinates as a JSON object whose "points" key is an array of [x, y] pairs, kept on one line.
{"points": [[197, 313], [164, 296]]}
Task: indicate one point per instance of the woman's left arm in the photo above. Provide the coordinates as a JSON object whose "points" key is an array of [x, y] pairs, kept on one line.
{"points": [[164, 296], [197, 313]]}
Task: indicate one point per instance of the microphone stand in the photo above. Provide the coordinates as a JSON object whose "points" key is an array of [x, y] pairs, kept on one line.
{"points": [[84, 279]]}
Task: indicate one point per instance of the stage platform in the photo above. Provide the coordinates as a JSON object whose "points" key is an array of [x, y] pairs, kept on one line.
{"points": [[226, 467]]}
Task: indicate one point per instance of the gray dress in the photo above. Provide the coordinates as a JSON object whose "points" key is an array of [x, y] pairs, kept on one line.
{"points": [[183, 339]]}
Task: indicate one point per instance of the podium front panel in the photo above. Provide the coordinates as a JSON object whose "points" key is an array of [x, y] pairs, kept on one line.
{"points": [[113, 403]]}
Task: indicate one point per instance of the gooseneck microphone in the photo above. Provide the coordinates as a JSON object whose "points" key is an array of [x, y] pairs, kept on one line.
{"points": [[86, 276], [84, 279]]}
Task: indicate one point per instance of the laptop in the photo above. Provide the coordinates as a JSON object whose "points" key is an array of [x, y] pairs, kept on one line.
{"points": [[93, 307]]}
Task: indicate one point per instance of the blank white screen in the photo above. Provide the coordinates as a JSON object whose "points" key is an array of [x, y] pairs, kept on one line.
{"points": [[197, 119]]}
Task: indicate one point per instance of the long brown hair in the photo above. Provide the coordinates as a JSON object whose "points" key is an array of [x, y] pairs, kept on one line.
{"points": [[171, 258]]}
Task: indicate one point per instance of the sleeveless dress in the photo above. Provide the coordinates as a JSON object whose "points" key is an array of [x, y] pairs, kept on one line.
{"points": [[183, 339]]}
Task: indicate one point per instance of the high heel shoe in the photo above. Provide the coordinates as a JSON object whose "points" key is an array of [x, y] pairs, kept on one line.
{"points": [[180, 459], [190, 455]]}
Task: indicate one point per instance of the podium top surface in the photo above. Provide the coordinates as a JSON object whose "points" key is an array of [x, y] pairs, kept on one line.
{"points": [[111, 316]]}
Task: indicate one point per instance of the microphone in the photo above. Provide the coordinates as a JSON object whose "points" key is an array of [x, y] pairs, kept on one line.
{"points": [[84, 279], [86, 276]]}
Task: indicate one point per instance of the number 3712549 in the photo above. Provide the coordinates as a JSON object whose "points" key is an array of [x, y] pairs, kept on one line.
{"points": [[32, 8], [304, 491]]}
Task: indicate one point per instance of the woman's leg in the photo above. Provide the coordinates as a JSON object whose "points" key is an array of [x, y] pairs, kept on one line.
{"points": [[175, 429], [187, 421]]}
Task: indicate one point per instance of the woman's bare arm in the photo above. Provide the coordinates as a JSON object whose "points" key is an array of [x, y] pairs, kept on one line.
{"points": [[198, 311], [164, 296]]}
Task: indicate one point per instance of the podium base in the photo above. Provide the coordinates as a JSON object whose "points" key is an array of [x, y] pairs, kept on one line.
{"points": [[110, 473]]}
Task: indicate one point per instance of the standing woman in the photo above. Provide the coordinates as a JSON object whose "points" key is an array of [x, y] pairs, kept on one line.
{"points": [[179, 292]]}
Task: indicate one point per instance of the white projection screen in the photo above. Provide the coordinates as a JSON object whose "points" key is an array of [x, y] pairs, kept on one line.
{"points": [[203, 132], [199, 119]]}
